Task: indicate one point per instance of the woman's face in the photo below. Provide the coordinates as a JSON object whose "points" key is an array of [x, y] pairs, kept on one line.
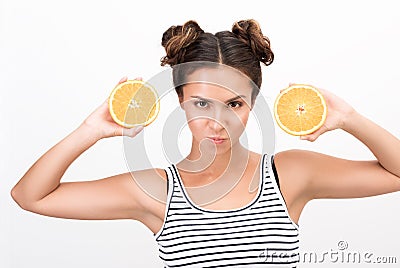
{"points": [[217, 107]]}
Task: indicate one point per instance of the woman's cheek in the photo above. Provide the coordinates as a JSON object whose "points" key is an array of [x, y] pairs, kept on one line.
{"points": [[243, 118], [197, 126]]}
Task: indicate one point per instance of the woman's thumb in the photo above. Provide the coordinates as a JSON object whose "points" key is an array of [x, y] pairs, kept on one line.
{"points": [[132, 132]]}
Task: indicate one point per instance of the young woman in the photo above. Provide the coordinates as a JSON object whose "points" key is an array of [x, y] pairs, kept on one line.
{"points": [[194, 222]]}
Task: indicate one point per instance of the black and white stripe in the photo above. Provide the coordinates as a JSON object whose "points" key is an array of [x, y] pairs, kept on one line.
{"points": [[260, 234]]}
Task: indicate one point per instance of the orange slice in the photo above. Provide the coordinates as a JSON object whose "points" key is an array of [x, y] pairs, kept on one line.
{"points": [[133, 103], [300, 110]]}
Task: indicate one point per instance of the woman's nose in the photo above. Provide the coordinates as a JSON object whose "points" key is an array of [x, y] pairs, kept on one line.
{"points": [[218, 119], [215, 124]]}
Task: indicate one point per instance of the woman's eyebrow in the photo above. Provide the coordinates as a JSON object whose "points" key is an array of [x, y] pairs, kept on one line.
{"points": [[227, 101]]}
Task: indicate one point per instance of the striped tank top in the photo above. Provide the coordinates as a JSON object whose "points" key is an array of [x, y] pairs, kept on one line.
{"points": [[260, 234]]}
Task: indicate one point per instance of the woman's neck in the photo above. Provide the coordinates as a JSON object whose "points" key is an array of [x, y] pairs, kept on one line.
{"points": [[212, 165]]}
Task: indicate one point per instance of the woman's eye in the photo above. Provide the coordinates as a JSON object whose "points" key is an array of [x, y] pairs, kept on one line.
{"points": [[201, 104], [235, 104]]}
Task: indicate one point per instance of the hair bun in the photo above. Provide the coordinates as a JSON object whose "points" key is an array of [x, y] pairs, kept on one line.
{"points": [[249, 32], [176, 39]]}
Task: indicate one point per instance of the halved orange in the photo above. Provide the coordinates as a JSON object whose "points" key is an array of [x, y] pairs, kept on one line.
{"points": [[300, 109], [133, 103]]}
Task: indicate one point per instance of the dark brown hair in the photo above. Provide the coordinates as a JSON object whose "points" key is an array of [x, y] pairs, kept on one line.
{"points": [[243, 48]]}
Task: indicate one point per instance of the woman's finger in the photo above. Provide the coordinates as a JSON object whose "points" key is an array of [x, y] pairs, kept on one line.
{"points": [[313, 136], [123, 79], [131, 132]]}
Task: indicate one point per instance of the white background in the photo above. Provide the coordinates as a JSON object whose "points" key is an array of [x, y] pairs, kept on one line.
{"points": [[59, 61]]}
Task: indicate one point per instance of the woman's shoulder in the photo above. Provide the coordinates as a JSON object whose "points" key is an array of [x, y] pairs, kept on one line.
{"points": [[149, 185], [151, 178], [294, 168], [298, 156], [158, 173]]}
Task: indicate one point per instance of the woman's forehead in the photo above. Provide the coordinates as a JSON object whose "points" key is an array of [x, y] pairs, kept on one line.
{"points": [[218, 83], [212, 91]]}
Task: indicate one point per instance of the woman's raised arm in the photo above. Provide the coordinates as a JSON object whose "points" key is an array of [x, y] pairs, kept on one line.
{"points": [[41, 191], [324, 176]]}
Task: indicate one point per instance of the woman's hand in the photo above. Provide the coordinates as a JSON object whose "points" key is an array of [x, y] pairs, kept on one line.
{"points": [[338, 112], [101, 124]]}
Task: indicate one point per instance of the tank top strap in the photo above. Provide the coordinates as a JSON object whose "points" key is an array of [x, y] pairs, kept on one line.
{"points": [[176, 194], [271, 194], [175, 198], [268, 191]]}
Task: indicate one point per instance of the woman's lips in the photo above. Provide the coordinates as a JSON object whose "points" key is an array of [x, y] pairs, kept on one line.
{"points": [[216, 140]]}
